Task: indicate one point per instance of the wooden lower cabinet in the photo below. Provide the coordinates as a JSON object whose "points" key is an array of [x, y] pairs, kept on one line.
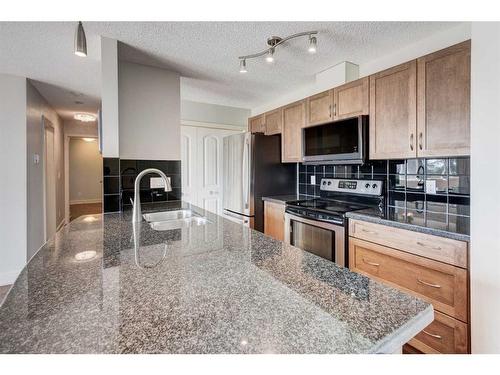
{"points": [[274, 220], [443, 285], [444, 335]]}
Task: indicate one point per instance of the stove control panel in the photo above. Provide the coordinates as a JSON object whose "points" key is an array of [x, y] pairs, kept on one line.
{"points": [[365, 187]]}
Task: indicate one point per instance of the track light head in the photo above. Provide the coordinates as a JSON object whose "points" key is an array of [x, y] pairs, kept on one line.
{"points": [[243, 66], [270, 55], [312, 44]]}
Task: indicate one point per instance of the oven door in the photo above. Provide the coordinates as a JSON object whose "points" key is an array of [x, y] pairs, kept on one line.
{"points": [[323, 239]]}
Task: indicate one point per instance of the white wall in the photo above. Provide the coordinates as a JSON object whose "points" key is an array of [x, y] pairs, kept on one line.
{"points": [[212, 113], [85, 171], [36, 107], [435, 42], [109, 97], [13, 206], [485, 181], [149, 112]]}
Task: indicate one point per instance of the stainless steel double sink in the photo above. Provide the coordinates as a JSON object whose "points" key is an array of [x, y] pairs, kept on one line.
{"points": [[177, 219]]}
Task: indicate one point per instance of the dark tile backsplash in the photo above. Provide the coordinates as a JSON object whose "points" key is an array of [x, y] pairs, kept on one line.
{"points": [[129, 169], [437, 186], [119, 178], [111, 184]]}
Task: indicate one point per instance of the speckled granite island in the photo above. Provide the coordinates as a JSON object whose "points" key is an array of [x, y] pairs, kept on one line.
{"points": [[214, 288]]}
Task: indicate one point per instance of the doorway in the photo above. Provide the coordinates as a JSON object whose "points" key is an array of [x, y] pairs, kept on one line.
{"points": [[202, 163], [84, 177], [49, 178]]}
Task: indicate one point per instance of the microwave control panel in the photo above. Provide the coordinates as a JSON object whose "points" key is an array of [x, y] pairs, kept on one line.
{"points": [[365, 187]]}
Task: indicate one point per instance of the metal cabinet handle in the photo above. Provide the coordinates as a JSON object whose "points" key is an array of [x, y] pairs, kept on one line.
{"points": [[371, 263], [420, 137], [335, 109], [432, 335], [429, 284], [411, 141], [432, 247], [330, 111], [368, 231]]}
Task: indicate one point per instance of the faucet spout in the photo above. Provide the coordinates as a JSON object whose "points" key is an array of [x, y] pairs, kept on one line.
{"points": [[137, 213]]}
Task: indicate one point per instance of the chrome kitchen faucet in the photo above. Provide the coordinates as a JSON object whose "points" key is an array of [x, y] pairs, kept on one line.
{"points": [[137, 214]]}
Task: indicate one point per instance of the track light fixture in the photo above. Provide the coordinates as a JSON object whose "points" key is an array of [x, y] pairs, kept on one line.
{"points": [[80, 41], [276, 41]]}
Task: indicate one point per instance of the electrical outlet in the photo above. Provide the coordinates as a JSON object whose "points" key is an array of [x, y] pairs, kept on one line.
{"points": [[157, 183], [313, 180]]}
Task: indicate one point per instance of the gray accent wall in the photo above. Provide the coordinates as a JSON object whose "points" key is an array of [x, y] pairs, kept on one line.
{"points": [[149, 112]]}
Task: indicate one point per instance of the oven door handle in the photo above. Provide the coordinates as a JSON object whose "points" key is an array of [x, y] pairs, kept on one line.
{"points": [[300, 216]]}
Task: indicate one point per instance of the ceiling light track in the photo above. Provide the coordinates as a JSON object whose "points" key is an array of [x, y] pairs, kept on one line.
{"points": [[276, 41]]}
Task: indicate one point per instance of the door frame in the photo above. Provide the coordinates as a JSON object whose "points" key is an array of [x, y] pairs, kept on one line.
{"points": [[67, 137], [47, 124]]}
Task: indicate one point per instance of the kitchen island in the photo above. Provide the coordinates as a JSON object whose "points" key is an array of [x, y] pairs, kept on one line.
{"points": [[104, 285]]}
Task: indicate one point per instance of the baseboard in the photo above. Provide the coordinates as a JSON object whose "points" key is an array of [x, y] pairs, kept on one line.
{"points": [[7, 278], [85, 201]]}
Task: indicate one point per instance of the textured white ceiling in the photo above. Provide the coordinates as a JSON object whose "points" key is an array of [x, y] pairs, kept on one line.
{"points": [[204, 53]]}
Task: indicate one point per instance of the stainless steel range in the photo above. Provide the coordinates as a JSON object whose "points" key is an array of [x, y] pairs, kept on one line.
{"points": [[319, 225]]}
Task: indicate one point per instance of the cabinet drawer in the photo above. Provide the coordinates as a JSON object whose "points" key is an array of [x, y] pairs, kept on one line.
{"points": [[444, 335], [443, 285], [438, 248]]}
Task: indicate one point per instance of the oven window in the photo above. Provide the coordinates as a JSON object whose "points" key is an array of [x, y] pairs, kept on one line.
{"points": [[335, 138], [316, 240]]}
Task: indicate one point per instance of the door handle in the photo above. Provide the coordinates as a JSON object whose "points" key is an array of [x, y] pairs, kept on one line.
{"points": [[420, 139], [330, 111], [411, 141]]}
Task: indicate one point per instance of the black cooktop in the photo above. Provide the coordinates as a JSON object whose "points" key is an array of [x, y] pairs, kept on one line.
{"points": [[329, 206]]}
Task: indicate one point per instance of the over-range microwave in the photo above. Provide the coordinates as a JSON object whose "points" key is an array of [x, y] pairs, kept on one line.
{"points": [[339, 142]]}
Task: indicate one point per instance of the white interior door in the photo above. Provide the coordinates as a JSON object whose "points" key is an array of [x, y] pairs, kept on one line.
{"points": [[202, 166], [188, 164], [49, 182]]}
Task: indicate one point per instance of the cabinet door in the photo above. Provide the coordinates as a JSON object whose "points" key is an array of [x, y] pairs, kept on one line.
{"points": [[351, 99], [393, 112], [256, 124], [319, 108], [274, 122], [291, 138], [274, 220], [444, 102]]}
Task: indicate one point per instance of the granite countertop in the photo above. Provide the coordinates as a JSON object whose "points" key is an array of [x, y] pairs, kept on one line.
{"points": [[215, 288], [449, 226], [284, 198]]}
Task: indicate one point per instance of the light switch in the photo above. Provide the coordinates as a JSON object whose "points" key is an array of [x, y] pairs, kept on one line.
{"points": [[313, 180]]}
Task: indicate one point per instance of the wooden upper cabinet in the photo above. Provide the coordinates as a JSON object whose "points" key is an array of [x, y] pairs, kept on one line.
{"points": [[274, 121], [393, 112], [257, 124], [351, 99], [294, 116], [319, 108], [443, 92]]}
